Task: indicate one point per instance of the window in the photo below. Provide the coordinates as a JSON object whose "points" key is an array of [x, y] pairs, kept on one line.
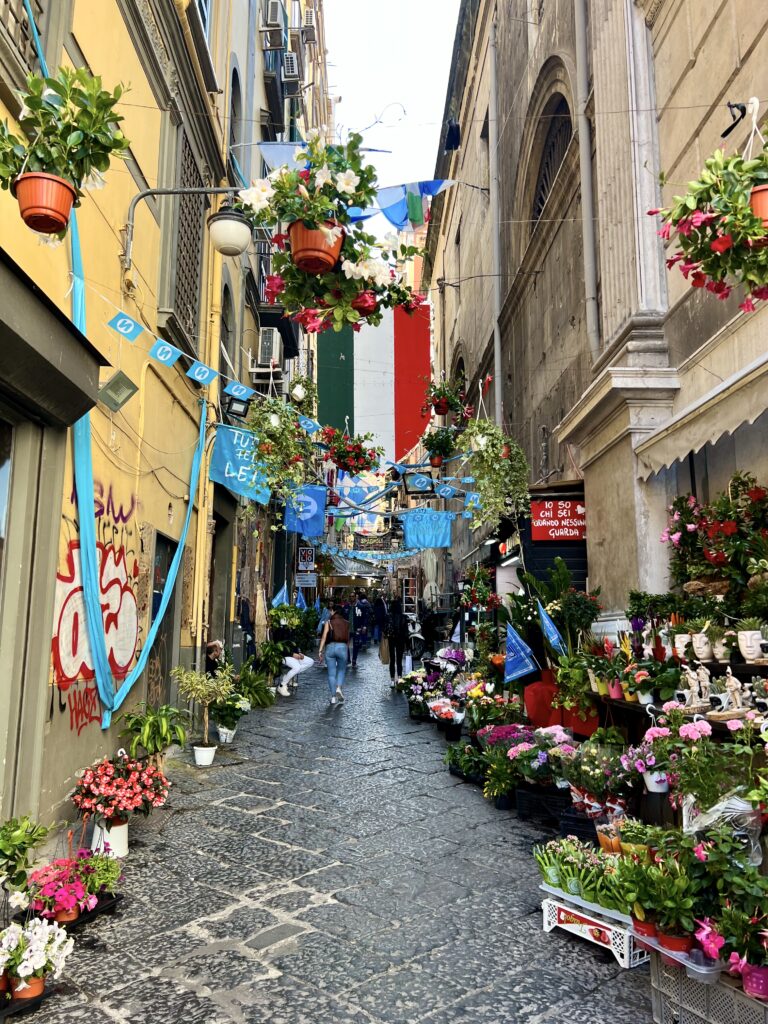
{"points": [[204, 10], [228, 335], [6, 445], [237, 153], [17, 50], [189, 242], [556, 144], [457, 260]]}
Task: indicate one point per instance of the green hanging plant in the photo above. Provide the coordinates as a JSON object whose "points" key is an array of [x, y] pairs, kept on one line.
{"points": [[284, 450], [501, 473], [302, 391]]}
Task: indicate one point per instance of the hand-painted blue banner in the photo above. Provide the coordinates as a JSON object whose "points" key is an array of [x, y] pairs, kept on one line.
{"points": [[234, 463], [165, 353], [201, 374], [550, 631], [237, 390], [519, 661], [125, 326], [305, 510]]}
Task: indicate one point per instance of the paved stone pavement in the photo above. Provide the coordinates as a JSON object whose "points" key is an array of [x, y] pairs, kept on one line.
{"points": [[328, 870]]}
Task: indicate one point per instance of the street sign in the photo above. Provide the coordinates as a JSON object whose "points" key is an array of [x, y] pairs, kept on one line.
{"points": [[306, 559], [558, 520], [305, 579]]}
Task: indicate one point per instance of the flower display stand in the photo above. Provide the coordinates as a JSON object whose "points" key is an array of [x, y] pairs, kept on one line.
{"points": [[676, 997], [606, 928]]}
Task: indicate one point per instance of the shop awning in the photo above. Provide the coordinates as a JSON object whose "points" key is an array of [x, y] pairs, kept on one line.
{"points": [[739, 399]]}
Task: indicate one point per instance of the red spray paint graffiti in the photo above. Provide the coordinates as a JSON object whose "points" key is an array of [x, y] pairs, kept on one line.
{"points": [[72, 658], [83, 707]]}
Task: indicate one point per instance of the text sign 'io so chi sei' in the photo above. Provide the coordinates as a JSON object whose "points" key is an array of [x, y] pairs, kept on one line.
{"points": [[558, 520]]}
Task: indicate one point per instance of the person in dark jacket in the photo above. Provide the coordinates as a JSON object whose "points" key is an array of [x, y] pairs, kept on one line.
{"points": [[379, 618], [397, 634]]}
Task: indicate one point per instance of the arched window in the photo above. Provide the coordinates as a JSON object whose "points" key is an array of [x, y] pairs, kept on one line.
{"points": [[237, 154], [556, 143], [228, 338]]}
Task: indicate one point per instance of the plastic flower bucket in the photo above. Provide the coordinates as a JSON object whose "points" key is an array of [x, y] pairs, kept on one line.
{"points": [[45, 201], [758, 200]]}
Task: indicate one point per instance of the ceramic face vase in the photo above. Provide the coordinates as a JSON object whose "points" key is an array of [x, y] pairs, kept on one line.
{"points": [[702, 648], [749, 644]]}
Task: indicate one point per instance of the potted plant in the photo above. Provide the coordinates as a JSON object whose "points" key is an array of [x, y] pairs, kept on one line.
{"points": [[499, 784], [18, 838], [439, 443], [633, 836], [702, 645], [352, 454], [445, 396], [573, 687], [58, 891], [204, 690], [31, 952], [70, 131], [716, 634], [154, 730], [284, 449], [112, 789], [501, 482], [227, 713], [639, 894], [254, 685], [271, 656], [749, 635], [676, 892], [303, 393], [101, 873], [721, 224]]}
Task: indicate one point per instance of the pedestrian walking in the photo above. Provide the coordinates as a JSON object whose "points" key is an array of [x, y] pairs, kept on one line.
{"points": [[397, 634], [325, 614], [334, 649], [359, 620], [296, 662], [379, 618]]}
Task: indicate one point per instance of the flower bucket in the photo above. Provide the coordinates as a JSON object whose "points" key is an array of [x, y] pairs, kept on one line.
{"points": [[755, 981], [645, 698], [614, 690], [33, 987], [702, 648], [656, 782], [758, 200], [453, 731], [441, 406], [204, 756], [45, 201], [435, 461], [676, 943], [681, 642], [647, 928], [628, 695], [112, 840], [749, 644], [226, 735], [602, 686], [310, 249]]}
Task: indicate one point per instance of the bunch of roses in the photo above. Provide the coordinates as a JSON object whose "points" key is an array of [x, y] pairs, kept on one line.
{"points": [[38, 948], [113, 788], [350, 454], [60, 887]]}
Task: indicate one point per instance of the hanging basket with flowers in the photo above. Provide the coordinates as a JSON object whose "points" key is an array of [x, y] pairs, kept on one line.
{"points": [[445, 396], [354, 454], [500, 470], [440, 443], [328, 272], [284, 449]]}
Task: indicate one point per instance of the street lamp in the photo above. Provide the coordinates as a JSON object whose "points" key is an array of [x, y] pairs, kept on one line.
{"points": [[230, 231]]}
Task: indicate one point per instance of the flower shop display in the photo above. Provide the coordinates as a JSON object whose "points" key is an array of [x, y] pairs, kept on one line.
{"points": [[574, 690], [439, 443], [32, 952], [154, 730], [599, 783], [70, 131], [353, 454], [205, 690], [720, 225], [327, 271], [448, 713], [477, 592]]}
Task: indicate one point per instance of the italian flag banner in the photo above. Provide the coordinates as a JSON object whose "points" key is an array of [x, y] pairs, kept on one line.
{"points": [[373, 381]]}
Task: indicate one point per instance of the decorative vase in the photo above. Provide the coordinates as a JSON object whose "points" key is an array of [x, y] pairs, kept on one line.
{"points": [[656, 782], [702, 648], [602, 686], [681, 642], [749, 644], [45, 201], [614, 689], [436, 461], [628, 695], [33, 987], [67, 916], [676, 943], [720, 651], [204, 755], [441, 406], [647, 928], [758, 200], [113, 839], [755, 981], [310, 249], [645, 698], [226, 735]]}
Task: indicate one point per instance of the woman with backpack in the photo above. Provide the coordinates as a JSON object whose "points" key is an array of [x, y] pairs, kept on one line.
{"points": [[396, 631], [334, 650]]}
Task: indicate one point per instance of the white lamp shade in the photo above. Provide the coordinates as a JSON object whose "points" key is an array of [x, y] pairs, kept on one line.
{"points": [[230, 232]]}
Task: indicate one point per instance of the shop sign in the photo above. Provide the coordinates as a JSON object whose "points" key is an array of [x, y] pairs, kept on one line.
{"points": [[558, 520], [305, 579], [306, 559]]}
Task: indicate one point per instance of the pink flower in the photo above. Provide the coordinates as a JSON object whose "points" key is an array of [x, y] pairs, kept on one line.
{"points": [[665, 535], [698, 280], [671, 705], [747, 306], [639, 766], [734, 724], [751, 716], [665, 231], [656, 732], [737, 963], [700, 852], [722, 244], [675, 538], [711, 941], [691, 527]]}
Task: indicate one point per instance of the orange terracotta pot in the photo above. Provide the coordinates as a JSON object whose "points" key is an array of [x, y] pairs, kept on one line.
{"points": [[310, 249], [4, 982], [758, 200], [45, 201], [66, 916], [33, 988], [436, 461]]}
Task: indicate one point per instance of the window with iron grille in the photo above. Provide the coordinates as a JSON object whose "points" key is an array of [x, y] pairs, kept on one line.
{"points": [[555, 147], [17, 50], [189, 245]]}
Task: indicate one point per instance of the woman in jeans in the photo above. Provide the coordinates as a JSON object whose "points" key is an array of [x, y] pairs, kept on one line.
{"points": [[334, 646]]}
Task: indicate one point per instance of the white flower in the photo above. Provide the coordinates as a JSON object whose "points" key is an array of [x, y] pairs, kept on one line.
{"points": [[347, 181], [352, 271], [313, 135], [300, 155], [18, 900], [330, 234], [322, 177], [258, 195], [52, 241], [94, 181], [278, 172]]}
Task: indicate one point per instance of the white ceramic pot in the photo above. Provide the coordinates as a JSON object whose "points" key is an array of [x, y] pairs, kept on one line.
{"points": [[681, 642], [113, 841], [204, 756], [645, 698], [702, 648], [656, 782], [299, 393], [720, 651], [749, 644], [226, 735]]}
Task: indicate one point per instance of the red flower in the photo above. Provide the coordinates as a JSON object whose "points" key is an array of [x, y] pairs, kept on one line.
{"points": [[304, 175], [722, 244], [280, 240], [698, 280], [729, 528]]}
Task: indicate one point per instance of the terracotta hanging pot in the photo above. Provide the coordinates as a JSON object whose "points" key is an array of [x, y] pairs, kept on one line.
{"points": [[758, 200], [45, 201], [441, 406], [310, 249], [436, 461], [66, 916]]}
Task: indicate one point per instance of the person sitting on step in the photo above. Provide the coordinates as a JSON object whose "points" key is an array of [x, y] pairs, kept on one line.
{"points": [[295, 662]]}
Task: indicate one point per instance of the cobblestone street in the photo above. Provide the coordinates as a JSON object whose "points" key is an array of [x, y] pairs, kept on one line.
{"points": [[328, 869]]}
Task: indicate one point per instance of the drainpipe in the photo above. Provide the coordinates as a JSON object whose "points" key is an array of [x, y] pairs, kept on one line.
{"points": [[585, 175], [493, 167], [181, 9]]}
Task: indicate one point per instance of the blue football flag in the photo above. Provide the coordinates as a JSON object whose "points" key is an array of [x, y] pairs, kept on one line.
{"points": [[519, 660], [281, 597], [300, 600], [550, 631], [305, 511]]}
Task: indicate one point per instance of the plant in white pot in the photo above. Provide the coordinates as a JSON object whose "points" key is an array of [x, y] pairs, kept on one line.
{"points": [[680, 636], [227, 713], [702, 646], [205, 690], [749, 634], [69, 132]]}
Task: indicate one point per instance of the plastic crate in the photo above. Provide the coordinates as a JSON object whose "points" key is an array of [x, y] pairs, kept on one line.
{"points": [[678, 999], [601, 929], [542, 802], [572, 823]]}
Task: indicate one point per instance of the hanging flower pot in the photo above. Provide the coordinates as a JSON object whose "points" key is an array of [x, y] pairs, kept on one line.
{"points": [[311, 249], [436, 461], [230, 232], [441, 406], [758, 200], [45, 201], [298, 393], [365, 303]]}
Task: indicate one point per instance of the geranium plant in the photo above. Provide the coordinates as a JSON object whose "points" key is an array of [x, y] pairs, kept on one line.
{"points": [[115, 787], [721, 241], [354, 454]]}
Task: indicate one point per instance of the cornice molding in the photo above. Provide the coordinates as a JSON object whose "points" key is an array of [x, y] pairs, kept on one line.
{"points": [[651, 9]]}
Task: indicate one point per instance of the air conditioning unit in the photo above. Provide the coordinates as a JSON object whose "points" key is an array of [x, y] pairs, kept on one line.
{"points": [[291, 77], [275, 14], [269, 348], [273, 30], [310, 26]]}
